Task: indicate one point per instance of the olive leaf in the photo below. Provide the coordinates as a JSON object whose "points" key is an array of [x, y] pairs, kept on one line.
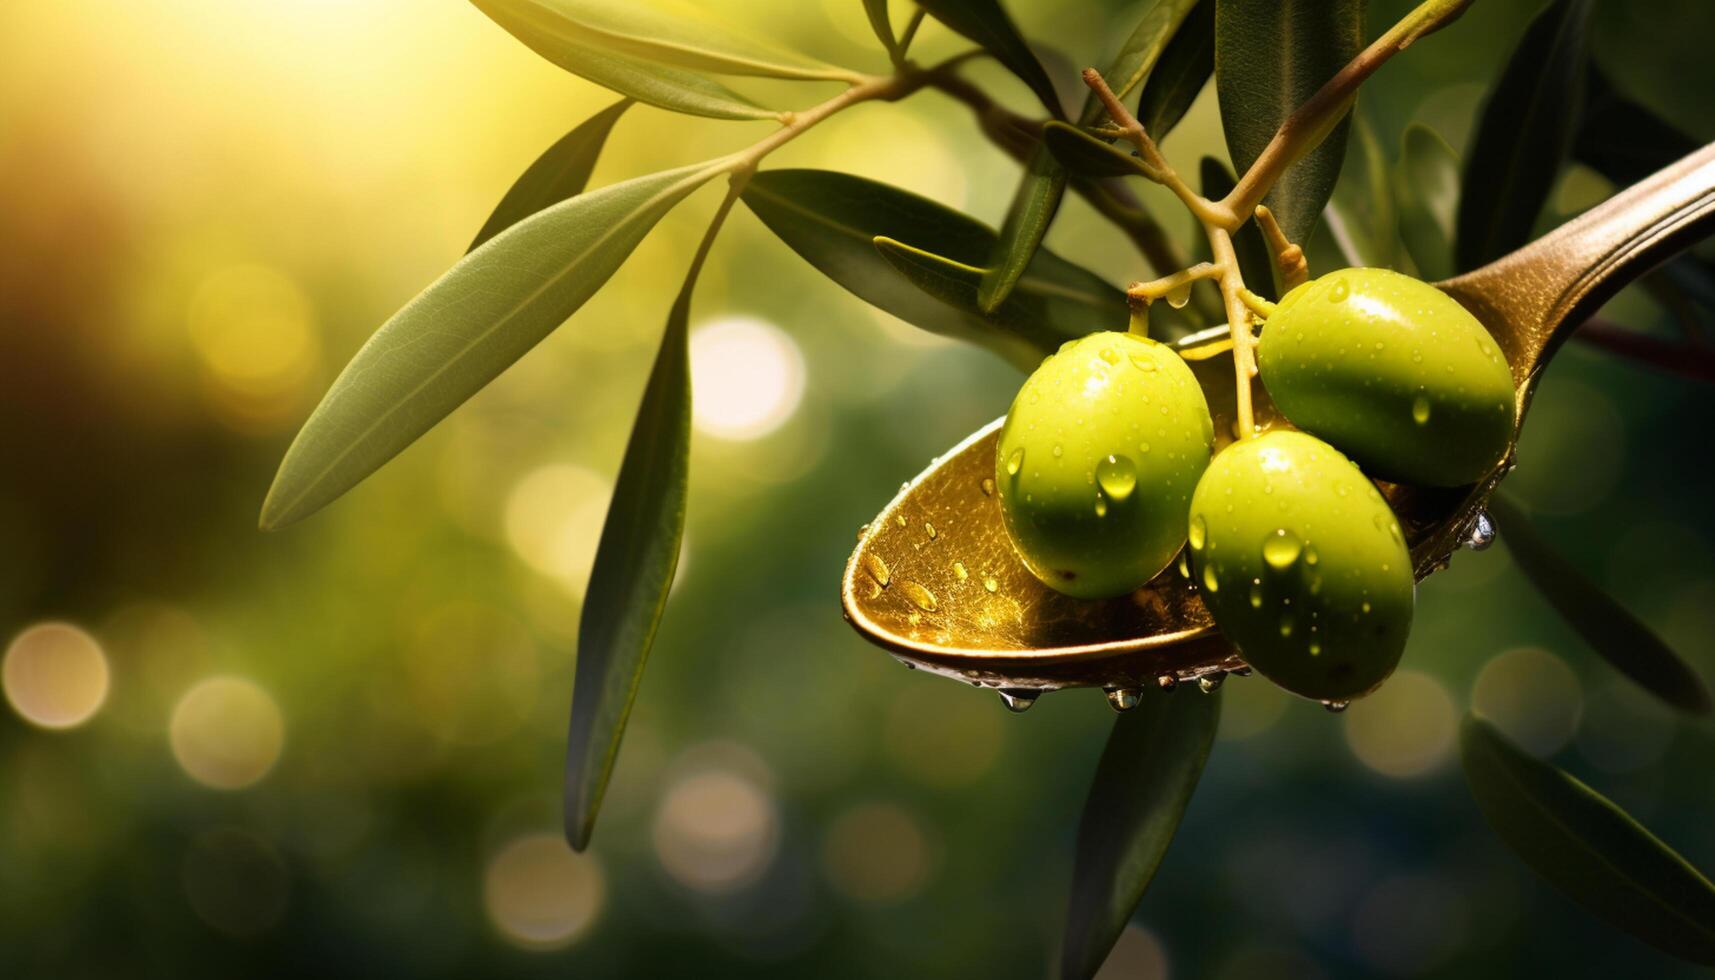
{"points": [[1043, 185], [832, 220], [1270, 57], [1622, 139], [634, 566], [1185, 66], [881, 23], [1426, 187], [1148, 771], [662, 85], [1361, 216], [558, 174], [1587, 847], [1256, 262], [463, 330], [1615, 634], [986, 23], [1044, 313], [1523, 136], [661, 31], [1089, 156]]}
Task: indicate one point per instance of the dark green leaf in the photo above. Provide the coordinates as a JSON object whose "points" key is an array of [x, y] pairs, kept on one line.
{"points": [[662, 85], [1615, 634], [1621, 139], [557, 175], [1088, 155], [1270, 57], [1147, 774], [984, 22], [657, 31], [833, 220], [1426, 185], [1361, 215], [633, 571], [460, 333], [1589, 848], [1524, 135], [1136, 58], [1041, 311], [881, 23], [1256, 262], [1185, 67]]}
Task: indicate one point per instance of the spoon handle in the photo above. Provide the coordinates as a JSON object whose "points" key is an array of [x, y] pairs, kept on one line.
{"points": [[1534, 297]]}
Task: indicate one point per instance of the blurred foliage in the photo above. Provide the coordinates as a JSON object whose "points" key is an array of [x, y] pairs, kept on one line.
{"points": [[209, 206]]}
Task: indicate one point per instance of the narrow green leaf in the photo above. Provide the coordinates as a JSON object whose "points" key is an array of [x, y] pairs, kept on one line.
{"points": [[1361, 215], [1137, 57], [1185, 67], [1426, 185], [460, 333], [832, 220], [1084, 154], [1524, 135], [665, 86], [661, 31], [557, 175], [881, 23], [1587, 847], [1148, 771], [1256, 262], [1619, 637], [1270, 57], [633, 572], [986, 23], [1041, 311], [1621, 139]]}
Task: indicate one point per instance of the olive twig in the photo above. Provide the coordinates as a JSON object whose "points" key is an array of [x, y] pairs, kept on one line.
{"points": [[1289, 261], [1173, 286]]}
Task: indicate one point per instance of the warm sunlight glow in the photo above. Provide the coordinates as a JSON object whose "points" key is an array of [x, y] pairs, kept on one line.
{"points": [[55, 675], [747, 378], [542, 895], [226, 732]]}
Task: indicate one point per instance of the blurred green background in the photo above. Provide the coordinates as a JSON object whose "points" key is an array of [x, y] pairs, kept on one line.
{"points": [[336, 750]]}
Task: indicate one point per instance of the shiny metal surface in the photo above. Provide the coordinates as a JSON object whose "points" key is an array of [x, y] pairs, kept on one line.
{"points": [[934, 578]]}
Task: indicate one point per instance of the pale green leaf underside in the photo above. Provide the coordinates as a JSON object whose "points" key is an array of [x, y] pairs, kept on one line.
{"points": [[666, 86], [461, 332], [1587, 847], [633, 573], [1145, 779]]}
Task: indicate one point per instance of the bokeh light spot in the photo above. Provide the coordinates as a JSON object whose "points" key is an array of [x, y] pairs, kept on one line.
{"points": [[877, 853], [1138, 955], [255, 332], [1532, 696], [747, 378], [1405, 728], [553, 522], [542, 895], [226, 732], [716, 830], [55, 675]]}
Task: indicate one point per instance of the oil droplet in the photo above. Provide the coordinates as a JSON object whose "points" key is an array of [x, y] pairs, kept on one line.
{"points": [[990, 583], [1143, 447], [1210, 582], [1256, 595], [876, 568], [1015, 462], [1335, 707], [1199, 532], [1310, 555], [902, 519], [988, 487], [1123, 698], [919, 596], [1211, 682], [959, 570], [1281, 549], [874, 590], [1057, 451], [1420, 410], [1315, 648], [1366, 607], [1018, 699], [862, 531], [1167, 682], [1482, 533], [1143, 363], [1179, 295], [1339, 293], [1286, 625], [929, 529], [1101, 506], [1117, 475], [1109, 354]]}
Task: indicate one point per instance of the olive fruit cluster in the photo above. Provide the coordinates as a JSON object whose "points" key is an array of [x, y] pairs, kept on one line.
{"points": [[1104, 471]]}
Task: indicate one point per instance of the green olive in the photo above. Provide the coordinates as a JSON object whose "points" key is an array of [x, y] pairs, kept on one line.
{"points": [[1097, 461], [1392, 371], [1302, 564]]}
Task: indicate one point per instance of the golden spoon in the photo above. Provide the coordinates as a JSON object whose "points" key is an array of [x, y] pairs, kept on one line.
{"points": [[935, 580]]}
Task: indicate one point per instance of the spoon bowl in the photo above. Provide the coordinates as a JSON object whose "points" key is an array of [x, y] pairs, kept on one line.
{"points": [[935, 580]]}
